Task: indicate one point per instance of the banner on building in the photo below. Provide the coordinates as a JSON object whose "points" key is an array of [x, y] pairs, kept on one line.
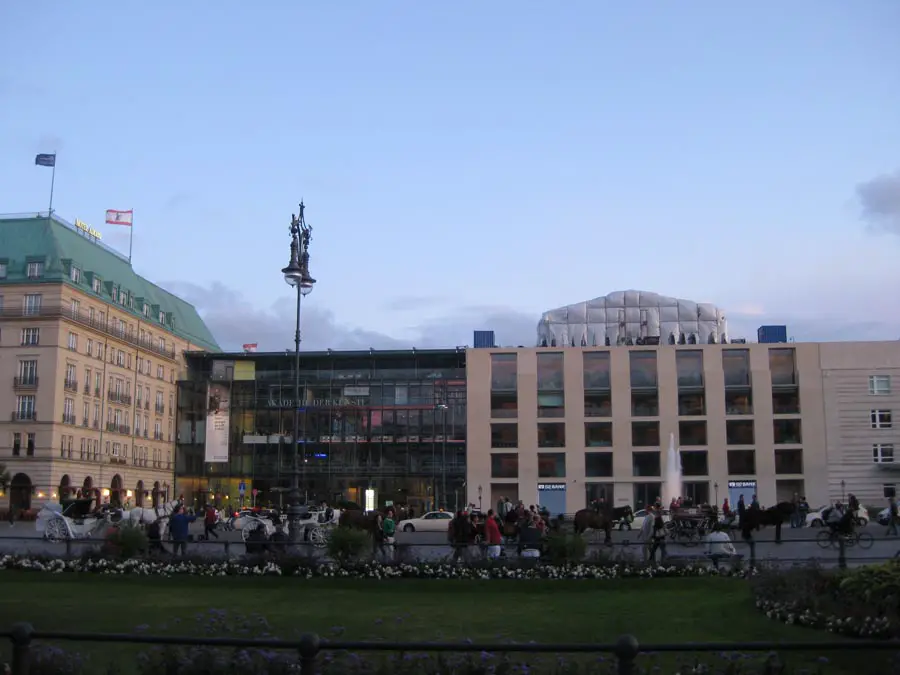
{"points": [[218, 422]]}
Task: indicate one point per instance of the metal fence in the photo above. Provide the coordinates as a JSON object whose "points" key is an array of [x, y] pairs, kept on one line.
{"points": [[309, 647], [841, 554]]}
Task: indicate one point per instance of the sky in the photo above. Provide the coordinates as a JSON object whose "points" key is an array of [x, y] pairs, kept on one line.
{"points": [[469, 165]]}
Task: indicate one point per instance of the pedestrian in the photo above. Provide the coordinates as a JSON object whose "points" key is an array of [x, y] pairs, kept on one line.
{"points": [[646, 533], [210, 520], [11, 514], [179, 526], [892, 517], [460, 535], [492, 536], [389, 527], [658, 541]]}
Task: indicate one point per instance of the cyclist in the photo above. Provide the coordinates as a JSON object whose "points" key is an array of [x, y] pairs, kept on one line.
{"points": [[840, 520]]}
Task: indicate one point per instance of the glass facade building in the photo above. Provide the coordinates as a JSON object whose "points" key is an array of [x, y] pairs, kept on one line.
{"points": [[375, 427]]}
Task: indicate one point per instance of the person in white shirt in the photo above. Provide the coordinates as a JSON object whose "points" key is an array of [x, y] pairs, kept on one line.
{"points": [[719, 546]]}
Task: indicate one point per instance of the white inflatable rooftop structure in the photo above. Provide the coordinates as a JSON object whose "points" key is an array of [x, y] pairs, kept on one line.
{"points": [[632, 318]]}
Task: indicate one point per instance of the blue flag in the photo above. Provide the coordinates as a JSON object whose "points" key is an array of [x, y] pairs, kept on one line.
{"points": [[45, 160]]}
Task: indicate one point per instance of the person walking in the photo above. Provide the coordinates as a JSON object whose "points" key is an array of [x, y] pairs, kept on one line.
{"points": [[210, 519], [892, 517], [389, 527], [492, 537]]}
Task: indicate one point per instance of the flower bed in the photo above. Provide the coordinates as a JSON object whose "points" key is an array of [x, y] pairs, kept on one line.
{"points": [[859, 603], [305, 569]]}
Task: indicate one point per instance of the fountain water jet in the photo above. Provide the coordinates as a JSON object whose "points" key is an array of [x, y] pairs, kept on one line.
{"points": [[673, 473]]}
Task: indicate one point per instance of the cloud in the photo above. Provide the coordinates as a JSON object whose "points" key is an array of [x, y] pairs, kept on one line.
{"points": [[880, 202], [235, 320]]}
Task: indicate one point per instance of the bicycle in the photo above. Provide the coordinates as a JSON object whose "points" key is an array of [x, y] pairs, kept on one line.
{"points": [[832, 539]]}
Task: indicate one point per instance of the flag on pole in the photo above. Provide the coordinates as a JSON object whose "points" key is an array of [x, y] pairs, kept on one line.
{"points": [[45, 160], [250, 347], [120, 217]]}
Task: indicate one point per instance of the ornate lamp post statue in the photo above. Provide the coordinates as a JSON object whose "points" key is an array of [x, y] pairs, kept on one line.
{"points": [[296, 274]]}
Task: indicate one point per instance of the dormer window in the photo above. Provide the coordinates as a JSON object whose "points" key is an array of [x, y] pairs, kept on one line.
{"points": [[3, 264], [146, 310], [35, 270], [123, 297], [162, 317], [75, 274], [96, 285]]}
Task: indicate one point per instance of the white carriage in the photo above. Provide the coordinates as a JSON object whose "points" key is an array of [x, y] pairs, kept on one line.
{"points": [[250, 523], [70, 519], [318, 524]]}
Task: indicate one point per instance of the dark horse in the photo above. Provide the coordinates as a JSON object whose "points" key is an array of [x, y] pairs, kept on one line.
{"points": [[774, 515], [589, 519]]}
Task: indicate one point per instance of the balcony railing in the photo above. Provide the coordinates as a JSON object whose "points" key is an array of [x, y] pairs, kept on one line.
{"points": [[160, 409], [157, 436], [124, 429], [105, 326], [70, 385], [118, 397], [23, 415], [97, 392], [68, 418], [112, 426], [25, 382], [146, 405], [84, 422], [146, 434], [87, 388]]}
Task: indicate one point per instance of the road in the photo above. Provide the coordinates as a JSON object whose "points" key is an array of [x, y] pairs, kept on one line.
{"points": [[797, 546]]}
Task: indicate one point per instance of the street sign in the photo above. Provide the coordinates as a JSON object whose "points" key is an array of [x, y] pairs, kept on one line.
{"points": [[254, 492], [242, 488]]}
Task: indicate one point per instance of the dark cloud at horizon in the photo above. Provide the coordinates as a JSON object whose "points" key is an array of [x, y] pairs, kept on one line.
{"points": [[235, 320], [880, 202]]}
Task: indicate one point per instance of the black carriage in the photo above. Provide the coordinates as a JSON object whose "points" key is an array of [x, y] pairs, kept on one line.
{"points": [[688, 525]]}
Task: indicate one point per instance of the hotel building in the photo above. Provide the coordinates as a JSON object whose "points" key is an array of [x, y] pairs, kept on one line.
{"points": [[89, 355]]}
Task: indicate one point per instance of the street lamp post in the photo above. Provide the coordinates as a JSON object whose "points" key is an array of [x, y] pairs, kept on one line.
{"points": [[296, 274], [479, 498], [843, 486], [716, 488]]}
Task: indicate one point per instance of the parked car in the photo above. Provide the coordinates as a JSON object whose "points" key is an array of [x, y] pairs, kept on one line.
{"points": [[434, 521], [817, 519]]}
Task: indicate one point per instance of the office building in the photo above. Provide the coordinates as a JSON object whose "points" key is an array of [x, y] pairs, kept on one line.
{"points": [[375, 428], [564, 425], [89, 356]]}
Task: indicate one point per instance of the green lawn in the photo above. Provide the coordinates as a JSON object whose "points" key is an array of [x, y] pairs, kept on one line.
{"points": [[659, 610]]}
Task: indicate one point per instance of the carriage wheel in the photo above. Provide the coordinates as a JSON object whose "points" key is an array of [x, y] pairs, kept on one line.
{"points": [[56, 530], [318, 537]]}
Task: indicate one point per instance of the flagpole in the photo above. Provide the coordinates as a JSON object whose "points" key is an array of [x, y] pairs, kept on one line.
{"points": [[52, 184], [130, 238]]}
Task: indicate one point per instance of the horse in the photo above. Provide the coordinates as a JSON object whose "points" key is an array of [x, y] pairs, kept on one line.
{"points": [[589, 519], [754, 519], [144, 516]]}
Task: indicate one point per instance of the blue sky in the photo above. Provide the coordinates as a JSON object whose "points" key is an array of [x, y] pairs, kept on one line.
{"points": [[468, 164]]}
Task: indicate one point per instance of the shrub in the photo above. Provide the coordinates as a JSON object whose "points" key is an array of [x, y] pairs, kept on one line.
{"points": [[859, 602], [562, 548], [126, 541], [347, 543]]}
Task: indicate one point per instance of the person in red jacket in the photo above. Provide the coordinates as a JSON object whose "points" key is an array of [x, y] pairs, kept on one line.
{"points": [[492, 535]]}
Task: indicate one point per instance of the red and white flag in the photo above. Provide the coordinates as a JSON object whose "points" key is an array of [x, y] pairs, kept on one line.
{"points": [[114, 217], [250, 347]]}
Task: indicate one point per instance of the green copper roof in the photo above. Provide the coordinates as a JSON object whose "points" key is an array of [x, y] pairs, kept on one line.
{"points": [[60, 246]]}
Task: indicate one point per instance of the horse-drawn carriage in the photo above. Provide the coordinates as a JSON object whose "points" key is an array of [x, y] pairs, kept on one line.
{"points": [[688, 525], [317, 525], [71, 519]]}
